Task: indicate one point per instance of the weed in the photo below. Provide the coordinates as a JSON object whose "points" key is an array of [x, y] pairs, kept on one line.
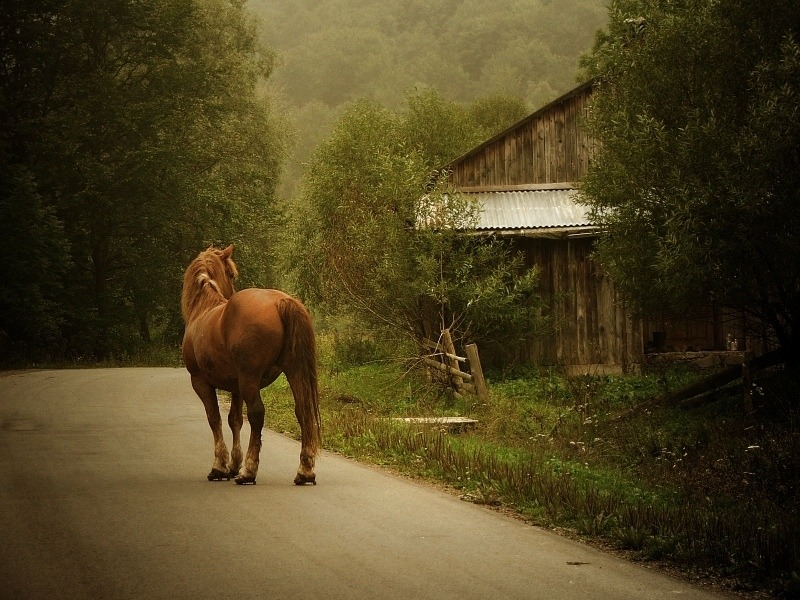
{"points": [[629, 537]]}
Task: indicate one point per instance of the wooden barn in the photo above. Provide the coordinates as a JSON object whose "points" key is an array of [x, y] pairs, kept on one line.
{"points": [[525, 180]]}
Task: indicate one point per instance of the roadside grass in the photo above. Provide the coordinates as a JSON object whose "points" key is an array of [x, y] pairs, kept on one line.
{"points": [[711, 490]]}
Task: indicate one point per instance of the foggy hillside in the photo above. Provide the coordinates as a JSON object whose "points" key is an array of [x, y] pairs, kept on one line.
{"points": [[330, 52]]}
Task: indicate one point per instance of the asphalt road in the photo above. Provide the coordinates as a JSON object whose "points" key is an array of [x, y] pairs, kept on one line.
{"points": [[103, 494]]}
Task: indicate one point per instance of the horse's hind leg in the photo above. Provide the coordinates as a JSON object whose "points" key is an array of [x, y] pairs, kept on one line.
{"points": [[308, 419], [208, 395], [251, 394], [235, 423]]}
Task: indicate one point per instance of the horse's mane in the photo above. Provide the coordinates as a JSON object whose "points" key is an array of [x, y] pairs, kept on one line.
{"points": [[208, 281]]}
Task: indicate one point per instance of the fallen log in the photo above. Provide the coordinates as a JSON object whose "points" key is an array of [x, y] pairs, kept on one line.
{"points": [[711, 383], [702, 391]]}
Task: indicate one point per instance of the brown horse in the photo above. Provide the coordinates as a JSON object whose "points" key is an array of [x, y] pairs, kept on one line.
{"points": [[241, 342]]}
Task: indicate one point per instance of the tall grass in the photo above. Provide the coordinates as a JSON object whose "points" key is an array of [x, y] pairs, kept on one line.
{"points": [[707, 490]]}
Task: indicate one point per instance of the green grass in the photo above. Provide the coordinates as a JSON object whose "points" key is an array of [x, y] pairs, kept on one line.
{"points": [[709, 490]]}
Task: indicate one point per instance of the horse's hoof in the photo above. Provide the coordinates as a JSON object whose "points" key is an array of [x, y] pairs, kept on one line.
{"points": [[304, 479], [248, 480], [217, 475]]}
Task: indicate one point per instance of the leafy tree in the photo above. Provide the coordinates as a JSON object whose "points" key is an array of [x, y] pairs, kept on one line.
{"points": [[35, 258], [141, 128], [437, 128], [381, 243], [697, 180]]}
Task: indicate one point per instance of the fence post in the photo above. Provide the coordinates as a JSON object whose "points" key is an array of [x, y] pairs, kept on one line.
{"points": [[449, 348], [477, 372]]}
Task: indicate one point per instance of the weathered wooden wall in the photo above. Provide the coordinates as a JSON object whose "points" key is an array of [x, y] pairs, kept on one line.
{"points": [[592, 330], [708, 330], [549, 146]]}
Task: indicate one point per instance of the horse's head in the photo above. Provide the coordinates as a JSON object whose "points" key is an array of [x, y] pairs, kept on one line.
{"points": [[221, 269], [208, 280]]}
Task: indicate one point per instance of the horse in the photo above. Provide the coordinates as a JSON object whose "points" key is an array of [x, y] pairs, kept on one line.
{"points": [[241, 342]]}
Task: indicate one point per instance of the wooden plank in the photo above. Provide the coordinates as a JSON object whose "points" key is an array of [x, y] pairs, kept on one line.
{"points": [[477, 372], [569, 140], [445, 369], [436, 420], [511, 167], [528, 153], [454, 424], [549, 146], [543, 146], [438, 350], [690, 396], [451, 352], [581, 352], [498, 177], [585, 304], [557, 174]]}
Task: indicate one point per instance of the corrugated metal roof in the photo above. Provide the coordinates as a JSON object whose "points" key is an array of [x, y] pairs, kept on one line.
{"points": [[530, 209]]}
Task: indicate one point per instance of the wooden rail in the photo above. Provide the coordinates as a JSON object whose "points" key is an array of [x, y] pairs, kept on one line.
{"points": [[445, 360]]}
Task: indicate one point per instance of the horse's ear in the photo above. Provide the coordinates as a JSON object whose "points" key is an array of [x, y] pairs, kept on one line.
{"points": [[227, 253]]}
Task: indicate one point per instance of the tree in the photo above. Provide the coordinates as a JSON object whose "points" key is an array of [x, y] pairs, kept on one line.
{"points": [[144, 135], [382, 243], [35, 258], [696, 183]]}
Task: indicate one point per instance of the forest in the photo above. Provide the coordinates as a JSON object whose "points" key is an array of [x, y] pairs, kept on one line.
{"points": [[335, 51], [135, 134]]}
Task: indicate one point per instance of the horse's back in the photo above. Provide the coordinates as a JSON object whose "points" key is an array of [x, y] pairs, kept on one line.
{"points": [[244, 337], [253, 327], [253, 306]]}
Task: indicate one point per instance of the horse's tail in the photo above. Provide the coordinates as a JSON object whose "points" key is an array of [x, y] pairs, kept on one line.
{"points": [[300, 360]]}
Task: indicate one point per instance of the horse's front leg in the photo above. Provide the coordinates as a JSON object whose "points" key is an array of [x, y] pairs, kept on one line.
{"points": [[251, 394], [235, 422], [208, 394]]}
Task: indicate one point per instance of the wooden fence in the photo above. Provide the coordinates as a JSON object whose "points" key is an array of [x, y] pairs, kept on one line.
{"points": [[443, 363]]}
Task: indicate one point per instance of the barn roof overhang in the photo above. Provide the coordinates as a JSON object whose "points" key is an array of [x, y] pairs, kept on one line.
{"points": [[544, 211]]}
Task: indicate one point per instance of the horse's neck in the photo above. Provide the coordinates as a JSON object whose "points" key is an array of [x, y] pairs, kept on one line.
{"points": [[207, 300]]}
